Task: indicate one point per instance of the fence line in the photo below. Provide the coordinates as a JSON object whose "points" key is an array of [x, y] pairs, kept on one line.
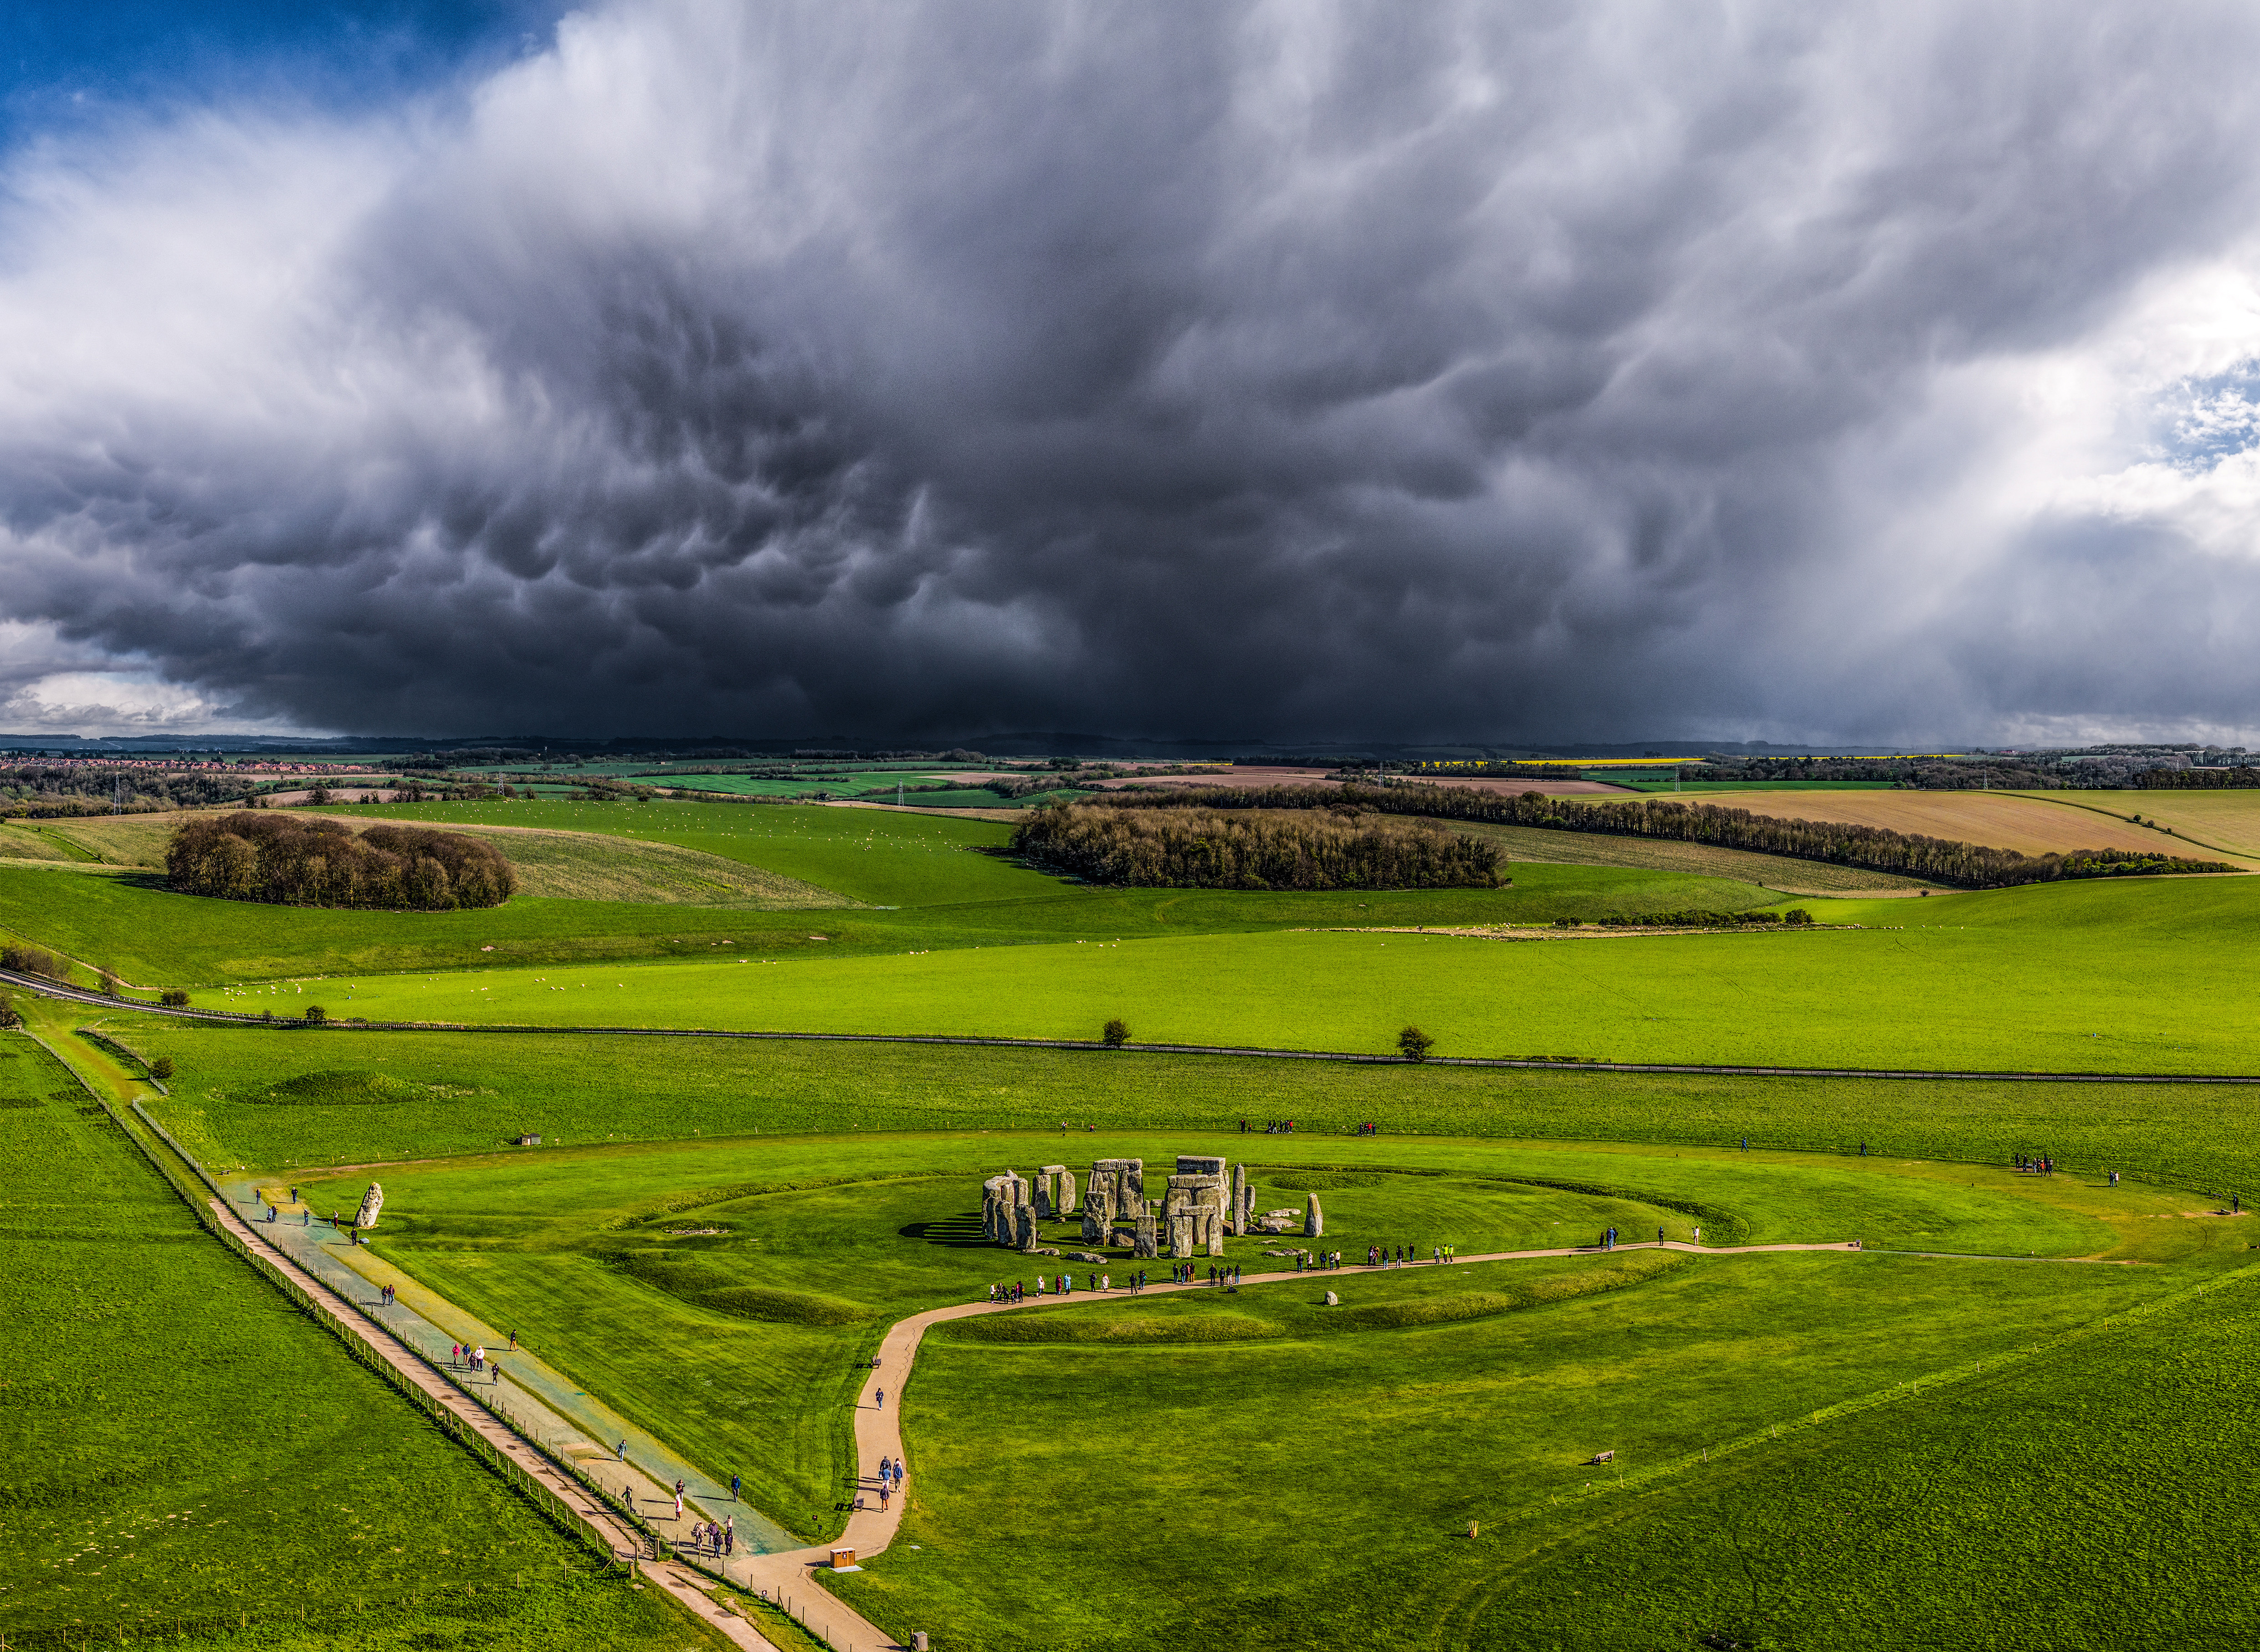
{"points": [[546, 1501]]}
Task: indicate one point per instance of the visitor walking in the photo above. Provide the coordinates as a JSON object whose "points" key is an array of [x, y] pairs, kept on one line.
{"points": [[734, 1483], [879, 1398], [513, 1342], [730, 1535]]}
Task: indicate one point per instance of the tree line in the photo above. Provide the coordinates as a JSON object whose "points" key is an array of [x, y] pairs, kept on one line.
{"points": [[1190, 847], [301, 860], [39, 792], [2244, 779], [1875, 848]]}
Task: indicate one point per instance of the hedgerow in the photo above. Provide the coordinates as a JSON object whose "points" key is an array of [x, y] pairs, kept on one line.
{"points": [[1877, 848]]}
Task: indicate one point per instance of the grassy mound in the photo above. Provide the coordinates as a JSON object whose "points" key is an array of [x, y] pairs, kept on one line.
{"points": [[707, 1285], [347, 1089]]}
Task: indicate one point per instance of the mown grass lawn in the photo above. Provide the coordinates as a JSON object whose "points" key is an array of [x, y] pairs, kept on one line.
{"points": [[180, 1447]]}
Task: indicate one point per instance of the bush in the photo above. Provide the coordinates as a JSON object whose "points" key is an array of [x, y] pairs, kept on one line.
{"points": [[173, 998], [1414, 1045], [1165, 847], [1799, 916], [30, 960], [10, 1016], [316, 1014], [298, 860], [161, 1068], [112, 986], [1116, 1033]]}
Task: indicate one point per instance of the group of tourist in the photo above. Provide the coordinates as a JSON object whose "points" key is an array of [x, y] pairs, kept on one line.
{"points": [[1405, 1255], [387, 1297], [891, 1480], [707, 1538], [1276, 1128], [462, 1357], [2042, 1166]]}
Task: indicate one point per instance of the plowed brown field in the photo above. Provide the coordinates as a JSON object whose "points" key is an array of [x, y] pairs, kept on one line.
{"points": [[2030, 825]]}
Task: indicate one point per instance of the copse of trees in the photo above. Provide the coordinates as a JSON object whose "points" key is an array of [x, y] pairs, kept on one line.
{"points": [[1939, 859], [311, 861], [1207, 848]]}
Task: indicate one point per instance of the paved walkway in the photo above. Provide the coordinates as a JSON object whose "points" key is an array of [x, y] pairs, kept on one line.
{"points": [[624, 1541]]}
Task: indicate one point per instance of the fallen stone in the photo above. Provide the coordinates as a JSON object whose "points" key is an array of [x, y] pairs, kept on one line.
{"points": [[1333, 1301]]}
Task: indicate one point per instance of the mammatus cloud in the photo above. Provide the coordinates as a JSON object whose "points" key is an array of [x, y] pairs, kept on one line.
{"points": [[1873, 372]]}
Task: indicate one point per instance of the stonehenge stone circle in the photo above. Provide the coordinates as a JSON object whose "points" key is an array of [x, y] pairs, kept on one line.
{"points": [[1205, 1200]]}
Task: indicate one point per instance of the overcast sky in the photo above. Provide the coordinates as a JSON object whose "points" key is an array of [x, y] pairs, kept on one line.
{"points": [[1880, 373]]}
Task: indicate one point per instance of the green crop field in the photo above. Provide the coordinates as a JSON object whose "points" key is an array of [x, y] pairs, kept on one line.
{"points": [[2019, 980], [185, 1456]]}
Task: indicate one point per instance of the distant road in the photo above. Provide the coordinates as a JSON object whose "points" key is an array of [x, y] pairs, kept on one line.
{"points": [[79, 995]]}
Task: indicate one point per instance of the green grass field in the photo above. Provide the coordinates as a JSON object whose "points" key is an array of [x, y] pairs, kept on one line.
{"points": [[720, 1342], [1254, 1467], [416, 1095], [1315, 1490], [928, 882], [1439, 1395], [186, 1455], [2019, 980]]}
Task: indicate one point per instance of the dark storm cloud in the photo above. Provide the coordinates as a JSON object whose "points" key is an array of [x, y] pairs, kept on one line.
{"points": [[1365, 370]]}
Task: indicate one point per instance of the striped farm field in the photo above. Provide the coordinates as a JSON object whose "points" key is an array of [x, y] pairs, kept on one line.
{"points": [[2027, 822], [2217, 822]]}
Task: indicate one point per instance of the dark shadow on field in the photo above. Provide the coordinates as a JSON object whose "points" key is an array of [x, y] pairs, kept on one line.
{"points": [[959, 1233]]}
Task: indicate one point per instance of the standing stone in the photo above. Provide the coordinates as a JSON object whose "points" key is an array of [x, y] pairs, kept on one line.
{"points": [[1127, 1176], [1181, 1236], [1314, 1219], [1143, 1245], [1238, 1220], [1023, 1226], [1099, 1211], [1211, 1233], [371, 1203], [1066, 1191]]}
